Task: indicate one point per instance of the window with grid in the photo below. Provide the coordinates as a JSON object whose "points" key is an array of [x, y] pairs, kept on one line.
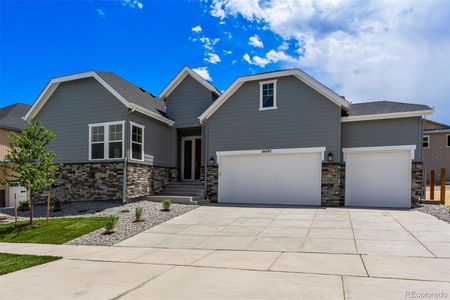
{"points": [[137, 142], [106, 141]]}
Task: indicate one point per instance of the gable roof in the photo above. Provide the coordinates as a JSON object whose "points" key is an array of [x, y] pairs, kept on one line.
{"points": [[180, 77], [127, 93], [299, 74], [377, 110], [11, 117], [436, 124]]}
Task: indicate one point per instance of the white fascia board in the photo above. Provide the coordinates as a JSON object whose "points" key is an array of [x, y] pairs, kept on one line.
{"points": [[305, 78], [409, 148], [425, 132], [320, 150], [405, 114], [151, 114], [180, 77]]}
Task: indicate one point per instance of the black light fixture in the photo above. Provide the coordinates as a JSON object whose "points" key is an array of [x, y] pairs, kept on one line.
{"points": [[211, 160], [330, 156]]}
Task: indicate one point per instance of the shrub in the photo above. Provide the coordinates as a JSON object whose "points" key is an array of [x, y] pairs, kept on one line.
{"points": [[56, 205], [166, 204], [138, 214], [23, 206], [110, 224]]}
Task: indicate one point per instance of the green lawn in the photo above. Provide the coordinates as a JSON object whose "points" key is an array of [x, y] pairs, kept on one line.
{"points": [[58, 231], [15, 262]]}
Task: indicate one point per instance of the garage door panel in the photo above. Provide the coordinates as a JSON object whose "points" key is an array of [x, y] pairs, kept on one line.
{"points": [[378, 179], [271, 179]]}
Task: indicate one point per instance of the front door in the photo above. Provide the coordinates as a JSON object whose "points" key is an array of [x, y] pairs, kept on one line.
{"points": [[191, 149]]}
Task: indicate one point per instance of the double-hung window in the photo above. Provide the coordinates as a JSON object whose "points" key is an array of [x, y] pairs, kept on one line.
{"points": [[448, 140], [268, 95], [426, 141], [106, 140], [137, 141]]}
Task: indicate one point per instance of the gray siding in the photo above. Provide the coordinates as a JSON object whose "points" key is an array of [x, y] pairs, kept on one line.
{"points": [[437, 156], [187, 102], [304, 118], [68, 112], [158, 140], [389, 132]]}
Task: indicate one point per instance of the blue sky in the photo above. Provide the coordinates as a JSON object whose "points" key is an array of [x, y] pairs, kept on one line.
{"points": [[365, 50]]}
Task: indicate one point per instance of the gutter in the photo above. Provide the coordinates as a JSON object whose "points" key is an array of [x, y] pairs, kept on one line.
{"points": [[206, 159]]}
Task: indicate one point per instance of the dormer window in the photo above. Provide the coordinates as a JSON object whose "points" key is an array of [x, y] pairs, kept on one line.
{"points": [[268, 95]]}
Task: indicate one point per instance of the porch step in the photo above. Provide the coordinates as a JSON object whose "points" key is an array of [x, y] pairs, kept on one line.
{"points": [[179, 199], [185, 192]]}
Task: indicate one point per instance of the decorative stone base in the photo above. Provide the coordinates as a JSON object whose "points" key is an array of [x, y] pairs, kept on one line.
{"points": [[144, 180], [417, 184], [333, 181], [85, 182], [212, 182]]}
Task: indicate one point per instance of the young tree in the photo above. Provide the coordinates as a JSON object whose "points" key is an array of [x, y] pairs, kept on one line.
{"points": [[29, 163]]}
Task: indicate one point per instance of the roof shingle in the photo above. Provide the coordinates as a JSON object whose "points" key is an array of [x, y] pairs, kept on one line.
{"points": [[384, 107], [11, 116]]}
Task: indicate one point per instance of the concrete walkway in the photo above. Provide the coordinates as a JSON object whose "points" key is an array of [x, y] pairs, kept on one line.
{"points": [[179, 270]]}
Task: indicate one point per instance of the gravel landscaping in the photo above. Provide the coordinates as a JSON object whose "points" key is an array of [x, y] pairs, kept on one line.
{"points": [[441, 212], [125, 228]]}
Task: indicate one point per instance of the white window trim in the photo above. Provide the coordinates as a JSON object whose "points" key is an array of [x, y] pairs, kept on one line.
{"points": [[106, 140], [428, 138], [261, 84], [131, 140], [446, 141], [378, 149]]}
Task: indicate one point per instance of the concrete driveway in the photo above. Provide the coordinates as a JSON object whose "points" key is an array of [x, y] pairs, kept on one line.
{"points": [[219, 252]]}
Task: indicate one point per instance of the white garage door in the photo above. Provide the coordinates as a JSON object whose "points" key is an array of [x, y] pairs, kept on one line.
{"points": [[282, 176], [378, 176]]}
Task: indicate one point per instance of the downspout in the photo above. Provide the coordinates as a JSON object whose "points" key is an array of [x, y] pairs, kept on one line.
{"points": [[125, 161], [206, 159]]}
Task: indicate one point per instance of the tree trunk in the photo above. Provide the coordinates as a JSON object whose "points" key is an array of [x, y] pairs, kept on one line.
{"points": [[31, 207]]}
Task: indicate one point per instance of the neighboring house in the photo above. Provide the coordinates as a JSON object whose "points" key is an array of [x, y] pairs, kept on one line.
{"points": [[273, 138], [11, 120], [436, 148]]}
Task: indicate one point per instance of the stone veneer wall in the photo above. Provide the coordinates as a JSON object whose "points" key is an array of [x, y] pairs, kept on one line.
{"points": [[417, 184], [85, 182], [212, 183], [333, 181], [144, 180]]}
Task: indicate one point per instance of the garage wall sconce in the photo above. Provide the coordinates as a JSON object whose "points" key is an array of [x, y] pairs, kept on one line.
{"points": [[330, 156], [211, 160]]}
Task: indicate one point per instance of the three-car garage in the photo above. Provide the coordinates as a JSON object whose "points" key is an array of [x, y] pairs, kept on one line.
{"points": [[374, 176]]}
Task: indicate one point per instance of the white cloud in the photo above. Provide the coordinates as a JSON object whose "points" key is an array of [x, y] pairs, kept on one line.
{"points": [[212, 58], [366, 50], [272, 56], [101, 13], [227, 52], [133, 4], [255, 41], [203, 71], [247, 58], [209, 43], [197, 29]]}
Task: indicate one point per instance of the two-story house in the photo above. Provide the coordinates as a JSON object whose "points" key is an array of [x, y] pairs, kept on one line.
{"points": [[11, 120], [279, 137]]}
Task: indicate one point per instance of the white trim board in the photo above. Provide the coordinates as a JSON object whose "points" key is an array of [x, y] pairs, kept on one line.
{"points": [[273, 151], [302, 76], [181, 76], [410, 148], [405, 114], [131, 141], [54, 83]]}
